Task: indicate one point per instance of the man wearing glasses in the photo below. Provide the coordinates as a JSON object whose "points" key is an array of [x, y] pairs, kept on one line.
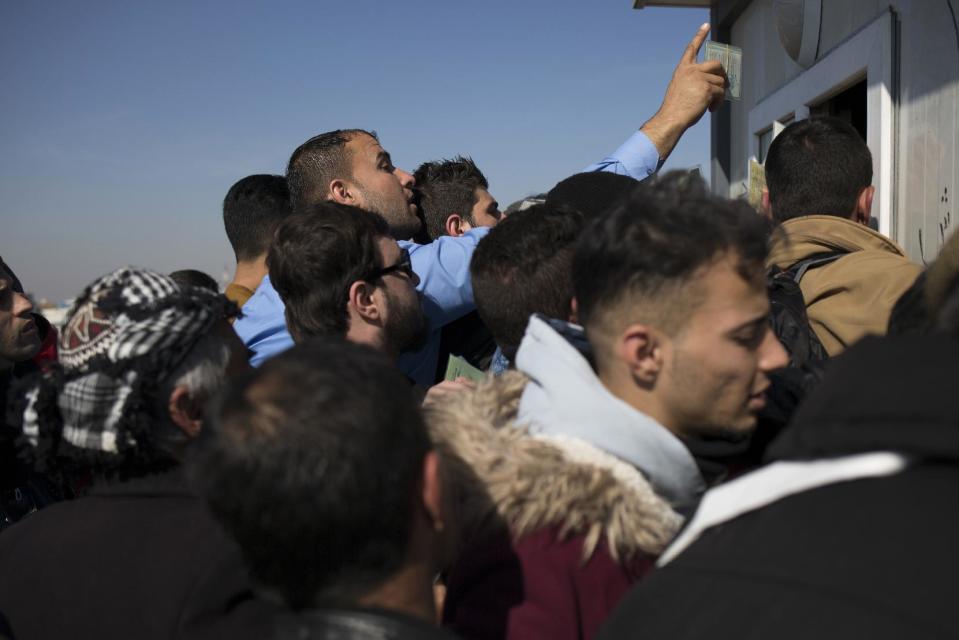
{"points": [[350, 166], [339, 272]]}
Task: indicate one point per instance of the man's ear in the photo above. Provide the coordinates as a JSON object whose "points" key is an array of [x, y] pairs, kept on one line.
{"points": [[573, 310], [185, 412], [360, 298], [456, 225], [640, 348], [767, 209], [433, 491], [864, 205], [341, 192]]}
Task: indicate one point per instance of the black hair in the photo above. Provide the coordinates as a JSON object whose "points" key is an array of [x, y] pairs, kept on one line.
{"points": [[14, 280], [317, 162], [592, 193], [312, 463], [524, 267], [817, 166], [252, 209], [664, 231], [447, 187], [195, 278], [316, 255]]}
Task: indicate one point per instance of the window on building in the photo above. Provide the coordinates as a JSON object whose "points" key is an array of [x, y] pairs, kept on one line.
{"points": [[765, 139], [849, 105]]}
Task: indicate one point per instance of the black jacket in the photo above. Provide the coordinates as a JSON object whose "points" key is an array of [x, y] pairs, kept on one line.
{"points": [[870, 557], [354, 624], [139, 559]]}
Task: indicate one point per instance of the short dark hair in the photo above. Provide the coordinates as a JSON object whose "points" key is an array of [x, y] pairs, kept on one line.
{"points": [[319, 161], [524, 267], [446, 187], [315, 256], [655, 241], [817, 166], [593, 193], [252, 209], [312, 463], [195, 278]]}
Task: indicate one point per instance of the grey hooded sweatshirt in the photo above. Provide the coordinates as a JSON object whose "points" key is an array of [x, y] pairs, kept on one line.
{"points": [[565, 398]]}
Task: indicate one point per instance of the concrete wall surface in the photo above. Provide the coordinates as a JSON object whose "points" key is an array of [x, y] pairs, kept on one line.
{"points": [[908, 50]]}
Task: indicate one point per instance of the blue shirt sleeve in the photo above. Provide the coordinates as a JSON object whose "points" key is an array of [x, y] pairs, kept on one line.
{"points": [[443, 267], [637, 158]]}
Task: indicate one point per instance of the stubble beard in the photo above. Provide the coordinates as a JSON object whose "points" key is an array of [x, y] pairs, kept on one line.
{"points": [[409, 329], [401, 220]]}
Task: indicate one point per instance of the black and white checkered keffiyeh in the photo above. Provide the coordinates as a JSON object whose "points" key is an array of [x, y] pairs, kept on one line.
{"points": [[123, 336]]}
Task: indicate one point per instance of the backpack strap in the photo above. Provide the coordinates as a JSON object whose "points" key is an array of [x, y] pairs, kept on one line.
{"points": [[799, 269]]}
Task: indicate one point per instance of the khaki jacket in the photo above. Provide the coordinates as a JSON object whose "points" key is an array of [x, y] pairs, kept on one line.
{"points": [[854, 295]]}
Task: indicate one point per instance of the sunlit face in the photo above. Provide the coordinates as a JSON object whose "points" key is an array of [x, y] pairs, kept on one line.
{"points": [[19, 337], [715, 370], [382, 188], [485, 211], [404, 324]]}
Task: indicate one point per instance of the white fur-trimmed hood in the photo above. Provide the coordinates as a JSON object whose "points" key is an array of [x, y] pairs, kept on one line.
{"points": [[498, 474]]}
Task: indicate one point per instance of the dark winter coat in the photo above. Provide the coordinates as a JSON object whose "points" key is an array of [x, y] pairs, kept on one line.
{"points": [[869, 555], [138, 559]]}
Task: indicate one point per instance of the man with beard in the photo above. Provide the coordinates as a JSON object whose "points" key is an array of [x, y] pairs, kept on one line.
{"points": [[350, 166], [137, 555], [21, 490], [339, 272]]}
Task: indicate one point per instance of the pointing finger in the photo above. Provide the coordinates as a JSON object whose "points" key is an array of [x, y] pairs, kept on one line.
{"points": [[692, 49]]}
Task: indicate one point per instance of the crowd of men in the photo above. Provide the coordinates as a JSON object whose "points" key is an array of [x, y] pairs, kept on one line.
{"points": [[696, 419]]}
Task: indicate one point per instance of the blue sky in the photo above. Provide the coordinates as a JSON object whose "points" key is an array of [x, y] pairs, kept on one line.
{"points": [[123, 124]]}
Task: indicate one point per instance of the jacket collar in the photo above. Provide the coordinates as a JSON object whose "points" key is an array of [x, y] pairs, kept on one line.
{"points": [[359, 623], [775, 482], [808, 235], [565, 398]]}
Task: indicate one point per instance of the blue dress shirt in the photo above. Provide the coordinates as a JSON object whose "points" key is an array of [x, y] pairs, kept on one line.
{"points": [[637, 158], [443, 269]]}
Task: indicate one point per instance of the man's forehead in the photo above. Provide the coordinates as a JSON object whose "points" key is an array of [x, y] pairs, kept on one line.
{"points": [[365, 144], [722, 289]]}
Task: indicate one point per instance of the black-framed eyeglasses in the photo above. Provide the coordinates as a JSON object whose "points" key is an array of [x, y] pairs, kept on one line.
{"points": [[404, 265]]}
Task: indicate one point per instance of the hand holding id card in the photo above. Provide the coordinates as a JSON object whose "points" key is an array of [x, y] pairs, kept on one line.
{"points": [[732, 60]]}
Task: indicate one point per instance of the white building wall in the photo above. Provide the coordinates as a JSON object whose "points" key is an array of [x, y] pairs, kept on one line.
{"points": [[928, 134], [841, 18], [916, 150]]}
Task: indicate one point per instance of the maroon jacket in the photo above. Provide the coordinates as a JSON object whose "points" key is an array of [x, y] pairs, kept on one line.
{"points": [[536, 587], [551, 531]]}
